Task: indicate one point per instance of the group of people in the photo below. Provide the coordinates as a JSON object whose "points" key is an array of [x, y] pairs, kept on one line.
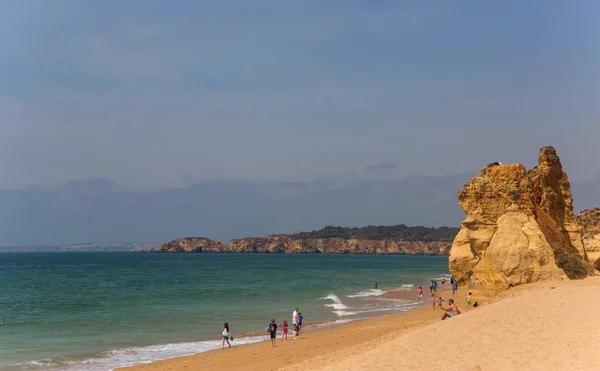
{"points": [[297, 322], [452, 308], [271, 329]]}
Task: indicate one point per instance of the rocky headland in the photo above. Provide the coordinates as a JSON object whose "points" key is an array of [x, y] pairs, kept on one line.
{"points": [[399, 240], [520, 227], [590, 224]]}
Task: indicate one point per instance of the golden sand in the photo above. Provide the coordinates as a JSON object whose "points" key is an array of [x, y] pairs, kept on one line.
{"points": [[544, 326]]}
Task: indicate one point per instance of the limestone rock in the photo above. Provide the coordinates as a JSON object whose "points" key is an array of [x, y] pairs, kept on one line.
{"points": [[519, 228], [284, 244], [590, 223], [191, 244]]}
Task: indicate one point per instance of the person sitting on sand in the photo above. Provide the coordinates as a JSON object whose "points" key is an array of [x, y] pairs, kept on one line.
{"points": [[451, 311], [226, 335], [420, 293], [284, 330], [272, 330]]}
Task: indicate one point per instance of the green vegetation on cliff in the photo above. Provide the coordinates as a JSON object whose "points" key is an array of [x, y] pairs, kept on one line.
{"points": [[394, 232]]}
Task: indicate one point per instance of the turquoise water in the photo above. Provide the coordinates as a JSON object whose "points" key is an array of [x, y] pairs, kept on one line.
{"points": [[98, 311]]}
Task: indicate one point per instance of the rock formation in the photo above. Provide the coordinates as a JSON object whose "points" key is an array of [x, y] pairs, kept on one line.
{"points": [[590, 223], [519, 228], [191, 244], [289, 245]]}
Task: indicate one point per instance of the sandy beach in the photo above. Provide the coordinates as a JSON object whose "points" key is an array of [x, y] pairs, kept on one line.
{"points": [[541, 326]]}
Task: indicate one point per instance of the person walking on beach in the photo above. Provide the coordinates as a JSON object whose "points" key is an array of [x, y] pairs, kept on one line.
{"points": [[454, 288], [431, 286], [226, 335], [433, 301], [451, 311], [420, 293], [284, 330], [440, 301], [295, 322], [443, 280], [299, 322], [272, 330]]}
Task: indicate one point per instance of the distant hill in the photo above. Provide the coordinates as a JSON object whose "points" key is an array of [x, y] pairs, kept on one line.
{"points": [[402, 232]]}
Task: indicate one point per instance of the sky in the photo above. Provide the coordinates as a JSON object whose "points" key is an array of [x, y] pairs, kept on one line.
{"points": [[137, 99]]}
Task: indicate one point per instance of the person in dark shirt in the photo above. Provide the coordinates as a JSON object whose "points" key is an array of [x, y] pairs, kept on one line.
{"points": [[299, 321], [272, 329]]}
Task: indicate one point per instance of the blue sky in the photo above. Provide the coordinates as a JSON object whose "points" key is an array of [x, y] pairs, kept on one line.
{"points": [[156, 94]]}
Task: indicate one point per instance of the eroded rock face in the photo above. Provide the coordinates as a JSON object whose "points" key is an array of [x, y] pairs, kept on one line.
{"points": [[590, 223], [192, 244], [519, 228], [287, 245]]}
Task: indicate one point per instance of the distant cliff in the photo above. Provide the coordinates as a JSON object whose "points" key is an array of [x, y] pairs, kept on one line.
{"points": [[401, 240]]}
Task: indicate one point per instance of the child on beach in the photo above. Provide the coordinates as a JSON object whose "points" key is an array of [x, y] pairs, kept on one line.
{"points": [[433, 300], [272, 329], [440, 302], [299, 322], [469, 298], [420, 293], [226, 335], [284, 330]]}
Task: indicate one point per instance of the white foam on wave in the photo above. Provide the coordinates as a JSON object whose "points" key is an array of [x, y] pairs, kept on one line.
{"points": [[408, 286], [343, 313], [363, 294], [337, 303], [137, 355]]}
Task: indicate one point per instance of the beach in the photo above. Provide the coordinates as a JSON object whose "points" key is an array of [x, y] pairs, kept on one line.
{"points": [[549, 325]]}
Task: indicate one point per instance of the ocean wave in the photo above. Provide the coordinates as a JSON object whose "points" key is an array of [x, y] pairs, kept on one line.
{"points": [[337, 303], [343, 313], [135, 355], [371, 292], [407, 286]]}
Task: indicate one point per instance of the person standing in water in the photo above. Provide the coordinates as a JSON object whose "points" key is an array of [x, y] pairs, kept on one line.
{"points": [[226, 335], [284, 330], [375, 284], [295, 322], [272, 330]]}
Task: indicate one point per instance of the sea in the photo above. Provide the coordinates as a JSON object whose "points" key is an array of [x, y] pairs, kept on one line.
{"points": [[99, 311]]}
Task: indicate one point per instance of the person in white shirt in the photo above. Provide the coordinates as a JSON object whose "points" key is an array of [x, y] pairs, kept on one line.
{"points": [[226, 335], [295, 322]]}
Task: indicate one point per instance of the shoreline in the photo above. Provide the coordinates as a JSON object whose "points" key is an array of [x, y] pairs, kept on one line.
{"points": [[311, 343], [539, 326]]}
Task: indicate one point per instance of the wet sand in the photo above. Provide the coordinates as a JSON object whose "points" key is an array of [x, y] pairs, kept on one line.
{"points": [[344, 339]]}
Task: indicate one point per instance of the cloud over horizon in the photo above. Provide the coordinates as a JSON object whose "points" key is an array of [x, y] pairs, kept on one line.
{"points": [[152, 98]]}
